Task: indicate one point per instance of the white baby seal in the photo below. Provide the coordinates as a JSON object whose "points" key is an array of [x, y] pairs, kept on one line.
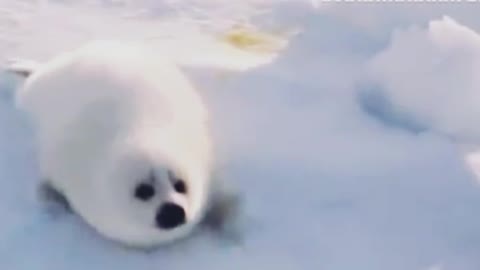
{"points": [[124, 136]]}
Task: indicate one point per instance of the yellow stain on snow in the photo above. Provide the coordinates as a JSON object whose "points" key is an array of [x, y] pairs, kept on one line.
{"points": [[249, 39]]}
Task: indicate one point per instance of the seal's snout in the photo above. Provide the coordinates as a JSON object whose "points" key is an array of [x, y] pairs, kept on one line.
{"points": [[170, 215]]}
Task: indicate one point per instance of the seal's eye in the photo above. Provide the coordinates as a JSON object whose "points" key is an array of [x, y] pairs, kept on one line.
{"points": [[178, 183], [180, 186], [144, 192]]}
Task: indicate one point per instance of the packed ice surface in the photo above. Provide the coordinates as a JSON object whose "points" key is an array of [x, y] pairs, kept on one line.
{"points": [[353, 148]]}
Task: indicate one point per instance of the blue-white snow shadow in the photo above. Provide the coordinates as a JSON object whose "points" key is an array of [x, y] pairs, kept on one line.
{"points": [[375, 104]]}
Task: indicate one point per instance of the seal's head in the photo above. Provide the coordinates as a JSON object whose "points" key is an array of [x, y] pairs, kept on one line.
{"points": [[145, 196]]}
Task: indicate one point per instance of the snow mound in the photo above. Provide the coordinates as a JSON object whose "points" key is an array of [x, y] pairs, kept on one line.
{"points": [[430, 76]]}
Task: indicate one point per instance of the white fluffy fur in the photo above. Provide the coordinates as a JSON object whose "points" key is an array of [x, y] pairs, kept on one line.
{"points": [[106, 114]]}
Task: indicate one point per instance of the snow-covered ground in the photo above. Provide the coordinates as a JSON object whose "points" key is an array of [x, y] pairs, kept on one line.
{"points": [[353, 148]]}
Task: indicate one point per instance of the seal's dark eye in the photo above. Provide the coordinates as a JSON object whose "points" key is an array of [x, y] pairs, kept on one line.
{"points": [[144, 192], [178, 183], [180, 186]]}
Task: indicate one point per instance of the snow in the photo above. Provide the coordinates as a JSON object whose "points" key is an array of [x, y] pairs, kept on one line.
{"points": [[354, 147]]}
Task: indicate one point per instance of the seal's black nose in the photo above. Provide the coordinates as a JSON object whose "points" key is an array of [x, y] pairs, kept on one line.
{"points": [[170, 215]]}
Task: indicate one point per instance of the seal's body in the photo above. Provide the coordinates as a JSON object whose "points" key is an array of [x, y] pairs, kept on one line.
{"points": [[124, 136]]}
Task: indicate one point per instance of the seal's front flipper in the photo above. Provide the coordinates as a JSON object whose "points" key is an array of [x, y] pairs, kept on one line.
{"points": [[54, 201], [224, 215], [23, 68]]}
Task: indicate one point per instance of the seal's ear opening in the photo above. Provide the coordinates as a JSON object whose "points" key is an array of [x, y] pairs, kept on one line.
{"points": [[22, 68]]}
